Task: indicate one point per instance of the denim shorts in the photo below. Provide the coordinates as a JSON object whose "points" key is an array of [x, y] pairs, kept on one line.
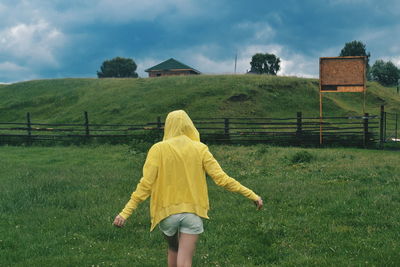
{"points": [[187, 223]]}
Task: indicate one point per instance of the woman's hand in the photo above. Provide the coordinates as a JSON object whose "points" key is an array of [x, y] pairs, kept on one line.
{"points": [[258, 203], [119, 221]]}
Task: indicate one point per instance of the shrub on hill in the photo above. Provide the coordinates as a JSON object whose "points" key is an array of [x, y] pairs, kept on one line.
{"points": [[118, 67], [386, 73]]}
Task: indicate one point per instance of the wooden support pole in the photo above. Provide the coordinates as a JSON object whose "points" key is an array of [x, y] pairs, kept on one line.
{"points": [[29, 127], [381, 126], [396, 128], [299, 125], [226, 128], [87, 131], [320, 119], [159, 125], [366, 133], [365, 98], [385, 123]]}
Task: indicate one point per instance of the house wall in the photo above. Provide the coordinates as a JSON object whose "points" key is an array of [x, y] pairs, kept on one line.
{"points": [[171, 73]]}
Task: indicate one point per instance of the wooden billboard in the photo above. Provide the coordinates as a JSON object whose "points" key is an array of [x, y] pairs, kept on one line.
{"points": [[342, 74]]}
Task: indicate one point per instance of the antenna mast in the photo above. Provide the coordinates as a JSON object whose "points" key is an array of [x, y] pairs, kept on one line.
{"points": [[235, 61]]}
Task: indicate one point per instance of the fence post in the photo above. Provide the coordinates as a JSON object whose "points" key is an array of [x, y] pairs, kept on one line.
{"points": [[226, 128], [385, 129], [87, 123], [366, 134], [29, 127], [381, 126], [299, 125], [159, 125], [395, 131]]}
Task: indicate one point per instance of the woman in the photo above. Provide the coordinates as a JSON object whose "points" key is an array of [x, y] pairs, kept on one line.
{"points": [[174, 176]]}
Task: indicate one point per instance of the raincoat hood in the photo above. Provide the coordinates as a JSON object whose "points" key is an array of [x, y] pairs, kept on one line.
{"points": [[179, 123]]}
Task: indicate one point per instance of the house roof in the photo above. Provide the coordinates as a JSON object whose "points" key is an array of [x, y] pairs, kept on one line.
{"points": [[171, 64]]}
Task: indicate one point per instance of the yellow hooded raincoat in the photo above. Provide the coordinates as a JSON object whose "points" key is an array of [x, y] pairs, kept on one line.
{"points": [[174, 173]]}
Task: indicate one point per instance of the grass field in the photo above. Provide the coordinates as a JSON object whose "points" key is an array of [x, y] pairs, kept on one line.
{"points": [[142, 100], [323, 207]]}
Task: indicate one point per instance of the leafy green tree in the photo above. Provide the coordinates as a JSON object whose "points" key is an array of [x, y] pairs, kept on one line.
{"points": [[386, 73], [265, 63], [355, 48], [118, 67]]}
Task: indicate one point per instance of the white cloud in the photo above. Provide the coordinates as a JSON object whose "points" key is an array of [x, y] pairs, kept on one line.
{"points": [[14, 72], [291, 64], [10, 67], [300, 66], [383, 43], [32, 43], [208, 65], [245, 54], [146, 63], [198, 61], [396, 61], [27, 48]]}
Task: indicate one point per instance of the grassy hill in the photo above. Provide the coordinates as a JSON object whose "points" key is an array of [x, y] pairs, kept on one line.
{"points": [[143, 99]]}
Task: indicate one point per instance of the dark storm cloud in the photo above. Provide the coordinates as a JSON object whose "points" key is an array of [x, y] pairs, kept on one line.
{"points": [[51, 39]]}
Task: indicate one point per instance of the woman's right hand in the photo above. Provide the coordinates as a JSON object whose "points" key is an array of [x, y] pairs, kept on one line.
{"points": [[258, 203]]}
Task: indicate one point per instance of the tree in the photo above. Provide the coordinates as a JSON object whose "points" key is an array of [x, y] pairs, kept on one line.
{"points": [[118, 67], [386, 73], [355, 48], [265, 63]]}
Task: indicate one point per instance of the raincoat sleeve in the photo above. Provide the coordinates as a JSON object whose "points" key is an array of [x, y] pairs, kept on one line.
{"points": [[214, 170], [143, 189]]}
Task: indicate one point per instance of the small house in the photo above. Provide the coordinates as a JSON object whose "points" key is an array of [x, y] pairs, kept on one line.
{"points": [[171, 67]]}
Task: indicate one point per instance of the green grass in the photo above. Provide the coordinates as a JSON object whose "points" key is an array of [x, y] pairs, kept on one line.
{"points": [[143, 99], [323, 207]]}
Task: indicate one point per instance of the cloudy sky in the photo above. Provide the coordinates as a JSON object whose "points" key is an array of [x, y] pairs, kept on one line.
{"points": [[71, 38]]}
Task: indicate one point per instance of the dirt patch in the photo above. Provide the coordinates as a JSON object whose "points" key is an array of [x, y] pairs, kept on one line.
{"points": [[239, 98]]}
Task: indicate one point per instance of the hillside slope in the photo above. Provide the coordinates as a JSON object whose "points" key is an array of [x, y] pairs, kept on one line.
{"points": [[143, 99]]}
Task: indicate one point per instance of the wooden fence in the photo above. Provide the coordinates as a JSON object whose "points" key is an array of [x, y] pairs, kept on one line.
{"points": [[296, 130], [390, 129]]}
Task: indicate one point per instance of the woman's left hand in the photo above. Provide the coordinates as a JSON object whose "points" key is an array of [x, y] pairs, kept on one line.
{"points": [[119, 221]]}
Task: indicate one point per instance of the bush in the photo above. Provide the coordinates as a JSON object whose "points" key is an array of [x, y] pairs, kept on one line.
{"points": [[141, 143], [301, 157], [386, 73], [118, 67]]}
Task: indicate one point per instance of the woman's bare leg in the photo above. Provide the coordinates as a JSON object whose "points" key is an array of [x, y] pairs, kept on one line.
{"points": [[187, 246], [173, 246]]}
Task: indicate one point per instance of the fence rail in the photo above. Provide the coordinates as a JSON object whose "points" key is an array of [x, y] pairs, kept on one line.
{"points": [[354, 130]]}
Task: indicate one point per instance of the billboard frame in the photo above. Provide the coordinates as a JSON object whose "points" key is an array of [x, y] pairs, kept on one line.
{"points": [[357, 85]]}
